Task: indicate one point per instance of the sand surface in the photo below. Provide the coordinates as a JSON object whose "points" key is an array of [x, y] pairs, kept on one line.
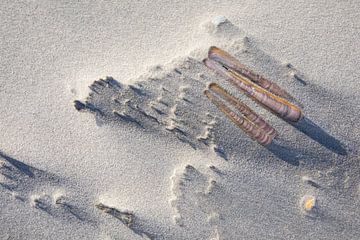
{"points": [[145, 155]]}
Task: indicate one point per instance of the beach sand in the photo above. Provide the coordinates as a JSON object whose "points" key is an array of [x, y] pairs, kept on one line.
{"points": [[106, 133]]}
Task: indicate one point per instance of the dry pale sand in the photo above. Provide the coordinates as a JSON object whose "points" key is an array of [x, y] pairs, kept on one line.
{"points": [[143, 154]]}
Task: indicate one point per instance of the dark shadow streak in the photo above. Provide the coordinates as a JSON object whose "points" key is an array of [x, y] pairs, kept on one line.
{"points": [[115, 84], [284, 153], [221, 153], [129, 119], [44, 206], [127, 218], [74, 211], [137, 90], [93, 108], [186, 100], [187, 141], [315, 132], [22, 167], [300, 80]]}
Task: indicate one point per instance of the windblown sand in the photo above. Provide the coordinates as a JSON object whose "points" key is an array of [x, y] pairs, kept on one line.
{"points": [[143, 154]]}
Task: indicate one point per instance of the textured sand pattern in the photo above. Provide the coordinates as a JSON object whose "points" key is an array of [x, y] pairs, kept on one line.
{"points": [[39, 189], [45, 193], [191, 187], [169, 101], [146, 155], [171, 98]]}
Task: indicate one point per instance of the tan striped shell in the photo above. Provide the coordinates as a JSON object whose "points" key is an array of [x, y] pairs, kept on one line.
{"points": [[229, 61], [242, 122], [244, 109], [273, 103]]}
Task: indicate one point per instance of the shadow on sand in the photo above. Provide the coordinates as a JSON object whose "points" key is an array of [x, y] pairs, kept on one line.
{"points": [[20, 166], [286, 154], [309, 128], [318, 134]]}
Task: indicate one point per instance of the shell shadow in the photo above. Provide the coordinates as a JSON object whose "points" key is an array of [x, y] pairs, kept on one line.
{"points": [[294, 156], [284, 153], [315, 132]]}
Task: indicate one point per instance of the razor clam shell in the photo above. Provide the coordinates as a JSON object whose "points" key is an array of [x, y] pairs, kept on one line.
{"points": [[273, 103], [229, 61], [244, 124], [244, 109]]}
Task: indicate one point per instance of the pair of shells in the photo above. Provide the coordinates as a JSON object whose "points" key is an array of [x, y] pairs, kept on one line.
{"points": [[264, 92]]}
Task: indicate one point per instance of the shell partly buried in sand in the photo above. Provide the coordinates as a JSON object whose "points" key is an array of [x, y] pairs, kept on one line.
{"points": [[226, 59], [251, 123], [244, 109], [275, 104], [261, 90]]}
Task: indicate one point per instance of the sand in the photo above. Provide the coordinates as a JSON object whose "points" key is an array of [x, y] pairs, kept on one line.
{"points": [[144, 154]]}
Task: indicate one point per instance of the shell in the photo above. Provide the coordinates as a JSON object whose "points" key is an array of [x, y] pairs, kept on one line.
{"points": [[243, 123], [277, 105], [244, 109], [229, 61]]}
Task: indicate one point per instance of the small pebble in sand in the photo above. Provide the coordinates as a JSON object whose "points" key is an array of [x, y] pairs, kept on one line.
{"points": [[308, 203], [219, 20]]}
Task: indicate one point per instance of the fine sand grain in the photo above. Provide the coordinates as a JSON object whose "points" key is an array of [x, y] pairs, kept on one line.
{"points": [[106, 133]]}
